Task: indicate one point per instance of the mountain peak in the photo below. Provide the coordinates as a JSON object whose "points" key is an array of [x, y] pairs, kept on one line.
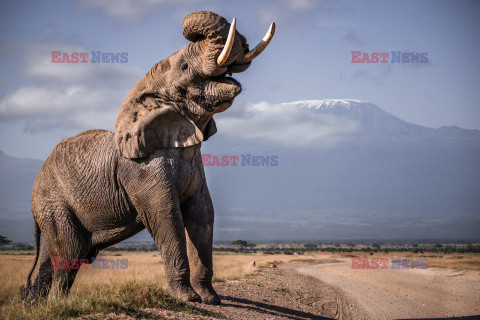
{"points": [[372, 119], [325, 104]]}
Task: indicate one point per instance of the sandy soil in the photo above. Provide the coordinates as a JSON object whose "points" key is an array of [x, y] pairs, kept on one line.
{"points": [[282, 293], [403, 293]]}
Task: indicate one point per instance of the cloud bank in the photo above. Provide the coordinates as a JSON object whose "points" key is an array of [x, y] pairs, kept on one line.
{"points": [[57, 96], [46, 108], [287, 125]]}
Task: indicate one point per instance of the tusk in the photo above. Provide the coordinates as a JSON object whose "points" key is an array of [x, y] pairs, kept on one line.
{"points": [[222, 58], [252, 54]]}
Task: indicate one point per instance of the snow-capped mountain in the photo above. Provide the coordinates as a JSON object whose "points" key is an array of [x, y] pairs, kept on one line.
{"points": [[372, 119], [330, 104]]}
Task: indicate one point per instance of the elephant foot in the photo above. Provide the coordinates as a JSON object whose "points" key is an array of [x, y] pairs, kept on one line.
{"points": [[211, 299], [208, 294], [187, 294], [24, 291], [29, 295]]}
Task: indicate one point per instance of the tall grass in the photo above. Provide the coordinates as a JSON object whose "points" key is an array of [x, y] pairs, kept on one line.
{"points": [[127, 291], [128, 297]]}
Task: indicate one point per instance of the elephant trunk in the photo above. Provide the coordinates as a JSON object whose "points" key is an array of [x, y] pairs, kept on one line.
{"points": [[224, 49], [221, 44]]}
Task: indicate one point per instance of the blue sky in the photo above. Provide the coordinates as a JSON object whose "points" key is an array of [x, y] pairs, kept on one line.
{"points": [[309, 58]]}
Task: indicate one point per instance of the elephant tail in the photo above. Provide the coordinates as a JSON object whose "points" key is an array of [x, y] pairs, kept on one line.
{"points": [[37, 252]]}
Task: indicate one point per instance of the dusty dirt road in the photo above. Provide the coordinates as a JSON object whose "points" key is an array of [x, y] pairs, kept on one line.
{"points": [[282, 293], [330, 289], [403, 293]]}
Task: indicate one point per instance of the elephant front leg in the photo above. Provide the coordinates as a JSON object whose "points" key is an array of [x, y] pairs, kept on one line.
{"points": [[168, 231], [198, 220]]}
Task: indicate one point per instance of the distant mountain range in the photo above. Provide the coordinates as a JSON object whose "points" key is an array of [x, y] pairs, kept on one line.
{"points": [[16, 182], [385, 179]]}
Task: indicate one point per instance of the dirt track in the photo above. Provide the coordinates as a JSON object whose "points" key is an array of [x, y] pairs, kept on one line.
{"points": [[293, 291], [282, 293], [403, 293]]}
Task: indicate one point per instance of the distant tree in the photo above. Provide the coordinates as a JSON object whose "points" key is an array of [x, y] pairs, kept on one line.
{"points": [[351, 245], [240, 244], [438, 246], [4, 240], [376, 246]]}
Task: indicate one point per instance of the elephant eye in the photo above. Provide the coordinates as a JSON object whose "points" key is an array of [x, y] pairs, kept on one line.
{"points": [[184, 66]]}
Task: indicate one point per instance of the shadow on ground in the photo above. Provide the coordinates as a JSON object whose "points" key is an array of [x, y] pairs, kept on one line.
{"points": [[477, 317], [270, 309]]}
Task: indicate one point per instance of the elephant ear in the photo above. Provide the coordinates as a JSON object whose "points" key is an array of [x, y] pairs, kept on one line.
{"points": [[142, 128], [210, 129]]}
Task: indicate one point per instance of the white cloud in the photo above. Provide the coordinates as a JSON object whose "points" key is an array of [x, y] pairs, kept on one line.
{"points": [[287, 125], [35, 63], [70, 107], [64, 96], [83, 73]]}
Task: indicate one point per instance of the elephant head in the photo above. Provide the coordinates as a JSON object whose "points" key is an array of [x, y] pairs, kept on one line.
{"points": [[174, 104]]}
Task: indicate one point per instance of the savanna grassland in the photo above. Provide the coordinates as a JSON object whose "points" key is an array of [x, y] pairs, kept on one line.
{"points": [[141, 287]]}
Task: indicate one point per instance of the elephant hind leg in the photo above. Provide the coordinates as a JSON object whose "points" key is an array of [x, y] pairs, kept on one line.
{"points": [[62, 282], [43, 282], [67, 242]]}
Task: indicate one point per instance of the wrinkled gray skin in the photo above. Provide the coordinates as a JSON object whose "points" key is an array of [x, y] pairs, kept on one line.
{"points": [[99, 188]]}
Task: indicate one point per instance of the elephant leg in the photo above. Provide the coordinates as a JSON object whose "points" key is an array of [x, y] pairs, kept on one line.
{"points": [[198, 220], [43, 282], [62, 282], [168, 231], [67, 241]]}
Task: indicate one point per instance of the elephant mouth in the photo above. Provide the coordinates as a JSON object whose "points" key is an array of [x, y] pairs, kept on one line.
{"points": [[227, 80], [237, 68], [225, 88], [222, 90]]}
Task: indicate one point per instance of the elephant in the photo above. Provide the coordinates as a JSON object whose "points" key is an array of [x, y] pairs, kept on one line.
{"points": [[100, 187]]}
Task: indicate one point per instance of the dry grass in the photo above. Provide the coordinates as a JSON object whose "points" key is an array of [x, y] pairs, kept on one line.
{"points": [[455, 261], [128, 291]]}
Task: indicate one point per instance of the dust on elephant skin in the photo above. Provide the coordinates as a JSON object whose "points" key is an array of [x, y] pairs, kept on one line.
{"points": [[99, 187]]}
